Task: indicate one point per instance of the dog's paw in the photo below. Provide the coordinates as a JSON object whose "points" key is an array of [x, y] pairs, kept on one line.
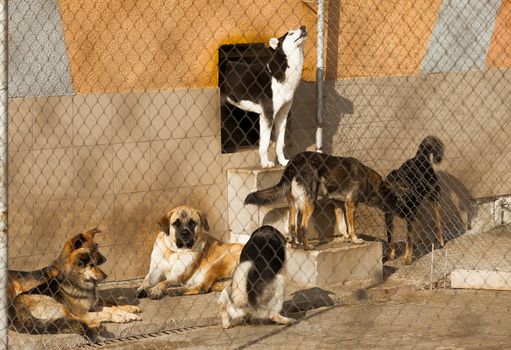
{"points": [[278, 318], [289, 321], [356, 240], [344, 238], [407, 260], [141, 293], [267, 164], [155, 294], [131, 308], [392, 255], [283, 162], [124, 317]]}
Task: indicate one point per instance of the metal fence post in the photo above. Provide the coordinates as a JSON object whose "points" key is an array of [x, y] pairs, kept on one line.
{"points": [[320, 69], [4, 155]]}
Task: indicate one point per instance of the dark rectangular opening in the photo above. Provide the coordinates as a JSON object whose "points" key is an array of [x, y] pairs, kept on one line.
{"points": [[239, 129]]}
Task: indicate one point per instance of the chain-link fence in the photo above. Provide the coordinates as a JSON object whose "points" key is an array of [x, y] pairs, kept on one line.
{"points": [[146, 210]]}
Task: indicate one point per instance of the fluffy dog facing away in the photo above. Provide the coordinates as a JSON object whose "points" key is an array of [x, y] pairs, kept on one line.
{"points": [[267, 88], [405, 188], [257, 285]]}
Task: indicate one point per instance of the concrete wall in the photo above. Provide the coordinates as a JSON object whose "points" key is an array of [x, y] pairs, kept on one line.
{"points": [[85, 153], [115, 161], [381, 121], [118, 161]]}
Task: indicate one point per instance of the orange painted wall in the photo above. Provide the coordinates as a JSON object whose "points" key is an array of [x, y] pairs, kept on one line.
{"points": [[119, 45], [384, 38], [499, 54]]}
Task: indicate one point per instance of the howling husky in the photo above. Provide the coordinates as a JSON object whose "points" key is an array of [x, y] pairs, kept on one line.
{"points": [[267, 88]]}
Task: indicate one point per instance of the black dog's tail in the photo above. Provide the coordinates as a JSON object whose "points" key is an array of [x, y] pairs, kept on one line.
{"points": [[266, 250], [431, 146], [269, 195]]}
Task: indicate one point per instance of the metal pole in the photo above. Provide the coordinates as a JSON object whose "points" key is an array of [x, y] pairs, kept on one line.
{"points": [[432, 265], [4, 155], [320, 69]]}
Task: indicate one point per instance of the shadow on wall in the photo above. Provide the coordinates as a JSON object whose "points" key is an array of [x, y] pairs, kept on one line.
{"points": [[302, 123], [457, 207], [302, 120]]}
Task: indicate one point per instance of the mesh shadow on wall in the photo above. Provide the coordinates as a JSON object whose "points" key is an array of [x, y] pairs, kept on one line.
{"points": [[303, 117], [457, 208]]}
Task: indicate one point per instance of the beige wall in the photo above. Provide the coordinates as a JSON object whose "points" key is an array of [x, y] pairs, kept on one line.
{"points": [[115, 161], [118, 161], [382, 120]]}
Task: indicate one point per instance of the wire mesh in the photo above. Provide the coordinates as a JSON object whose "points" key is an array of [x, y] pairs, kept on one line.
{"points": [[146, 208]]}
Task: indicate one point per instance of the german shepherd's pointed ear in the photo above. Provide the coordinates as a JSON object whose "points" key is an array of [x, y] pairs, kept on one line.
{"points": [[204, 221], [73, 244], [77, 241], [164, 224], [90, 233], [80, 257]]}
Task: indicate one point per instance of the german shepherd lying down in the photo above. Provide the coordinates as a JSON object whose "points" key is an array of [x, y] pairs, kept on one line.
{"points": [[345, 180], [68, 302], [405, 188]]}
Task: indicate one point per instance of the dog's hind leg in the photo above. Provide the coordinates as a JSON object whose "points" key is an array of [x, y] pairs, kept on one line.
{"points": [[438, 223], [280, 130], [350, 220], [265, 125], [307, 211], [292, 221], [339, 218], [409, 243], [276, 303], [389, 228]]}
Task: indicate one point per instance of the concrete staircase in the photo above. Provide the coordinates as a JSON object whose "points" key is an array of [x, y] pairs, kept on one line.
{"points": [[333, 262]]}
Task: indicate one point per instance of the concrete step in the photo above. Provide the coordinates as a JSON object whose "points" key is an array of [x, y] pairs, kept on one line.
{"points": [[243, 220], [337, 262]]}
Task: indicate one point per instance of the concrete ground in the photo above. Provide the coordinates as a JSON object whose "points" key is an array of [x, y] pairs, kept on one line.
{"points": [[401, 312], [445, 319], [489, 250]]}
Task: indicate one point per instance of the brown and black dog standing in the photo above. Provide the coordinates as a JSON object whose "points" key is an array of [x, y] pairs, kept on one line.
{"points": [[405, 188], [67, 302], [345, 180], [185, 259]]}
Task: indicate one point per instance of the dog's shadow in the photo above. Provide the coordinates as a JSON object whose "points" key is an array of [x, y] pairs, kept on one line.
{"points": [[305, 300], [457, 212], [297, 307], [120, 295]]}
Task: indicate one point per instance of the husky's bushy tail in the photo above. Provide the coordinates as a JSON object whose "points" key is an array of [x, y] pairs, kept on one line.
{"points": [[431, 146]]}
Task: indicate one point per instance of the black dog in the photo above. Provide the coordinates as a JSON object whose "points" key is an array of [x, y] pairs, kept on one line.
{"points": [[404, 189]]}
